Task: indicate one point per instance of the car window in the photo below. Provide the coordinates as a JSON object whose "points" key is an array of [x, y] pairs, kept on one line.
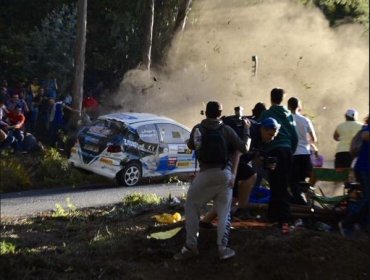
{"points": [[131, 135], [171, 133], [148, 133], [104, 128]]}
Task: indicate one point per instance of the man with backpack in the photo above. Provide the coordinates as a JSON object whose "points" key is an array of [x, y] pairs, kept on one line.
{"points": [[260, 134], [214, 144]]}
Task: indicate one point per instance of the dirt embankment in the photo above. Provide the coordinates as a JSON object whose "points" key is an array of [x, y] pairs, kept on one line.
{"points": [[102, 244]]}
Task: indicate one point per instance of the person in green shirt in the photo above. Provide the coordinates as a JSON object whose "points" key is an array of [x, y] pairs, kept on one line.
{"points": [[281, 148]]}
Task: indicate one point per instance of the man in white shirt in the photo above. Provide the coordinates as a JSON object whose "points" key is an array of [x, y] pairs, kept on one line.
{"points": [[302, 166]]}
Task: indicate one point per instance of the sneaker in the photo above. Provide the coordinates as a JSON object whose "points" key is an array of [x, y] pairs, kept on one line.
{"points": [[241, 214], [226, 253], [186, 253]]}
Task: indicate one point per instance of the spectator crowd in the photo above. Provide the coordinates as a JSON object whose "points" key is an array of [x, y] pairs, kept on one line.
{"points": [[281, 142], [36, 112]]}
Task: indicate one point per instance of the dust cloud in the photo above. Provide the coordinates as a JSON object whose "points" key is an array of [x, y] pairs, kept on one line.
{"points": [[327, 68]]}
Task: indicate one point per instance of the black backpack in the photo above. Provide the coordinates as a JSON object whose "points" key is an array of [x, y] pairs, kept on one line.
{"points": [[213, 148], [236, 124]]}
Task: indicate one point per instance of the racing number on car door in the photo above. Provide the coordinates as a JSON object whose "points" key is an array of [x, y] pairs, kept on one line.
{"points": [[148, 146]]}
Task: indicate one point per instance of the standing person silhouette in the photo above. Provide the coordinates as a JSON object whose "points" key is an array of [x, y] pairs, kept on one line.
{"points": [[344, 133], [281, 148], [302, 165], [214, 181]]}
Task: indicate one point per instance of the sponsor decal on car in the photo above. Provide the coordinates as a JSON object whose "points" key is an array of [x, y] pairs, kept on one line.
{"points": [[172, 161], [106, 160], [183, 164]]}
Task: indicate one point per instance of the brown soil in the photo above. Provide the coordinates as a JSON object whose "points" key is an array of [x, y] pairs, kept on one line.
{"points": [[105, 244]]}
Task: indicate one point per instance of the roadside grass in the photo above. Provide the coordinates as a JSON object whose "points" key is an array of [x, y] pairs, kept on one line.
{"points": [[44, 169], [83, 244], [112, 243], [49, 168]]}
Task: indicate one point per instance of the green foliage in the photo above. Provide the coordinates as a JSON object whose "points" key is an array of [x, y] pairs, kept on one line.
{"points": [[12, 55], [114, 39], [166, 15], [349, 10], [48, 168], [61, 212], [176, 180], [6, 248], [139, 199], [50, 51], [37, 37], [55, 170], [116, 31], [13, 174]]}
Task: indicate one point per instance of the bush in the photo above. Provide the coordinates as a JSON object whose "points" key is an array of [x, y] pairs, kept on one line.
{"points": [[47, 168], [13, 175], [6, 248], [53, 168]]}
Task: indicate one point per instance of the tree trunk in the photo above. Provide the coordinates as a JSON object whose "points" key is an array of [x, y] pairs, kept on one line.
{"points": [[148, 42], [182, 15], [77, 90]]}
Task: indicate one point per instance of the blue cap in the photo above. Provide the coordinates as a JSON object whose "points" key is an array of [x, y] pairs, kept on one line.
{"points": [[270, 123]]}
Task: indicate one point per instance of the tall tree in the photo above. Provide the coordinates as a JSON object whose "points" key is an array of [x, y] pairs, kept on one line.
{"points": [[148, 42], [80, 55], [182, 15]]}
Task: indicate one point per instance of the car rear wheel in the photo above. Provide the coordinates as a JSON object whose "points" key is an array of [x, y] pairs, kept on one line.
{"points": [[130, 175]]}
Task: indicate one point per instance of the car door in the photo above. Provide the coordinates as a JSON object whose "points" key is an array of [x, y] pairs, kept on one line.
{"points": [[174, 155], [148, 148]]}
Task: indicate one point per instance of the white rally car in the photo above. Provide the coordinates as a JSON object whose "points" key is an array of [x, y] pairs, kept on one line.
{"points": [[132, 146]]}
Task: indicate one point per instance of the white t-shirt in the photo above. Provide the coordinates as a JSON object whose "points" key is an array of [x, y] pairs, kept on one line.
{"points": [[2, 115], [346, 131], [2, 112], [303, 127]]}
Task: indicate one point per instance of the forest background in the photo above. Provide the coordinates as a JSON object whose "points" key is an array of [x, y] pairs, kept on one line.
{"points": [[37, 37], [316, 49]]}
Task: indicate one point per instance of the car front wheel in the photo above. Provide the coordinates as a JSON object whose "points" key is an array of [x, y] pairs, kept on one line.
{"points": [[130, 175]]}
